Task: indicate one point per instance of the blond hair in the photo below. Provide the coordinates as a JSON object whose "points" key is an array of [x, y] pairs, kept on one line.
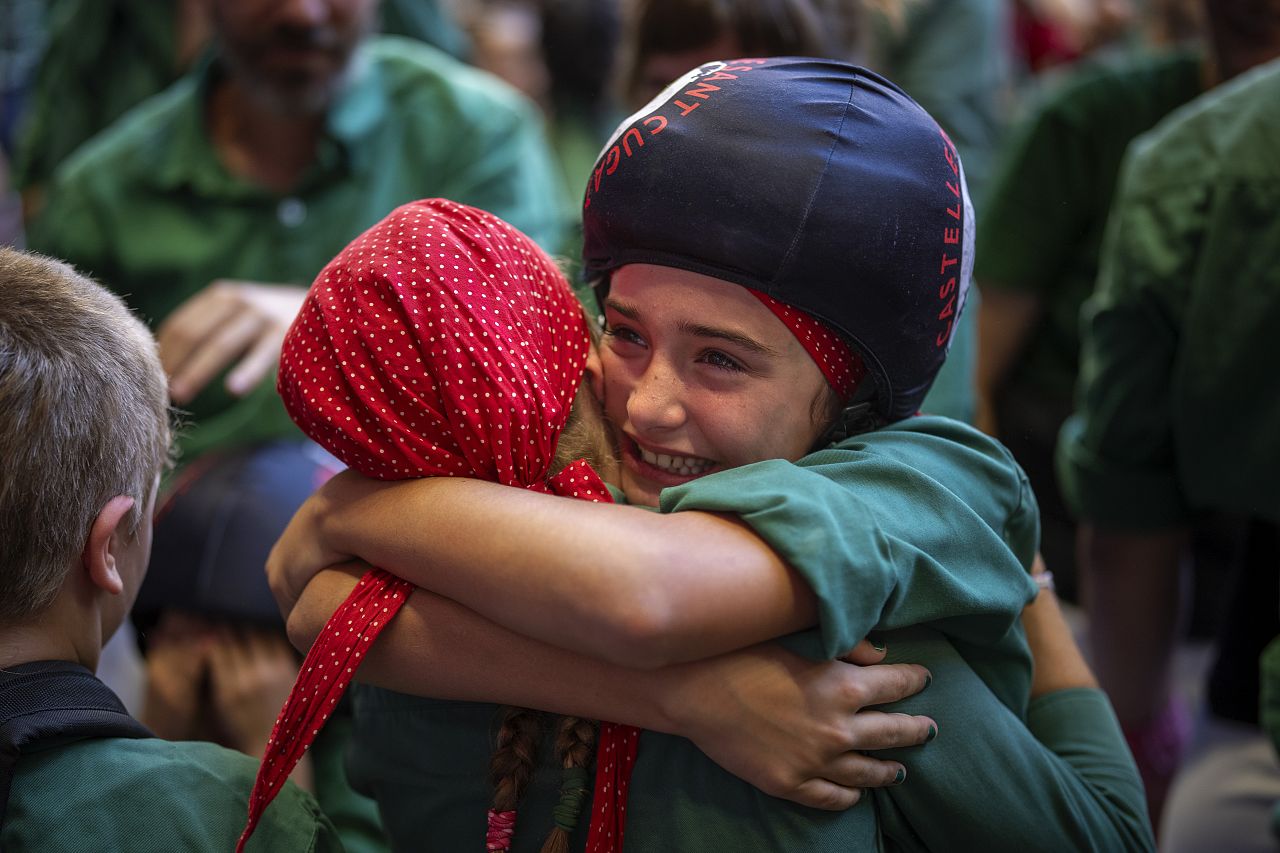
{"points": [[83, 417]]}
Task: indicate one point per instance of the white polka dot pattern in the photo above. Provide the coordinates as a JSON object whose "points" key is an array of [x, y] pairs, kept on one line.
{"points": [[441, 342], [842, 367]]}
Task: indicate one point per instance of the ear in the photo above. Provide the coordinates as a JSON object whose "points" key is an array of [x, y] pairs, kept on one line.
{"points": [[108, 531], [594, 372]]}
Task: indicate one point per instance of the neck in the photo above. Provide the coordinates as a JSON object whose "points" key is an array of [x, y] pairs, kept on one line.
{"points": [[27, 643], [258, 143], [69, 629]]}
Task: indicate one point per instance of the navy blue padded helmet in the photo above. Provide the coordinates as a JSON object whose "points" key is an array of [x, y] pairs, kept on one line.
{"points": [[817, 182], [215, 530]]}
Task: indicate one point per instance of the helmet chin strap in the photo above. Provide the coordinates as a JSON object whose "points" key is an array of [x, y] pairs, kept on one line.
{"points": [[861, 414]]}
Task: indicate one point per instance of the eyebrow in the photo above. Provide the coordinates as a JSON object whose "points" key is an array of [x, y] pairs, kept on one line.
{"points": [[701, 330]]}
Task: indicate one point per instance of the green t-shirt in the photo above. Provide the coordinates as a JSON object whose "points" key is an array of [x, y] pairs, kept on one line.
{"points": [[1041, 229], [139, 796], [148, 209], [1177, 409], [926, 523]]}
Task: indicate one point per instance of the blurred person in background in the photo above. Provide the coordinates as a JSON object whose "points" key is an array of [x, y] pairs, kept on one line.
{"points": [[103, 57], [218, 664], [1040, 236], [212, 204], [1053, 33], [1177, 417]]}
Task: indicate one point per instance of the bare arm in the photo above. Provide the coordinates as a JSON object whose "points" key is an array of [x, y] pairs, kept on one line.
{"points": [[1005, 319], [629, 586], [791, 727], [1058, 663], [1132, 585]]}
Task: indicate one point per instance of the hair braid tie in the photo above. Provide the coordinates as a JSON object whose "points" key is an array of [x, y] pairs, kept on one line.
{"points": [[573, 793], [502, 825]]}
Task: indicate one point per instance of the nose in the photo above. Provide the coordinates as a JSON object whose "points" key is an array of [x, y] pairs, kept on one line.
{"points": [[304, 13], [656, 401]]}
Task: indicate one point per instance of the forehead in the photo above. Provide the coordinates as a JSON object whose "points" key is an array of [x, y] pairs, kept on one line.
{"points": [[700, 306], [676, 291]]}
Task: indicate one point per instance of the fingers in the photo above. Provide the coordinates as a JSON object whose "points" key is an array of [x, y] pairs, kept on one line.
{"points": [[236, 333], [855, 770], [224, 321], [884, 683], [185, 330], [866, 653], [825, 794], [879, 730], [259, 361]]}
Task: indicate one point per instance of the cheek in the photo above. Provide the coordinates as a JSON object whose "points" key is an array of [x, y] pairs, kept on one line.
{"points": [[615, 380]]}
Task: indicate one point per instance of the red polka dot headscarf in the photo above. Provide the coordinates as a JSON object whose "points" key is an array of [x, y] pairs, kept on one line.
{"points": [[441, 342]]}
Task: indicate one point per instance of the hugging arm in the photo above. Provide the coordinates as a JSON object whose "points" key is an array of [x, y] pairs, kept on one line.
{"points": [[1060, 781], [632, 587], [791, 727]]}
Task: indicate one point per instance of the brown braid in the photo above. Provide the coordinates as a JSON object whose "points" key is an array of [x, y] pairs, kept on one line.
{"points": [[575, 744], [585, 436], [516, 756]]}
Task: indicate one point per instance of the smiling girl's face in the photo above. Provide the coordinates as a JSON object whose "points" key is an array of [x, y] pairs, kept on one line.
{"points": [[700, 376]]}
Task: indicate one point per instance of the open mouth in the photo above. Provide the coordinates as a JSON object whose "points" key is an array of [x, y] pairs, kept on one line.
{"points": [[678, 466]]}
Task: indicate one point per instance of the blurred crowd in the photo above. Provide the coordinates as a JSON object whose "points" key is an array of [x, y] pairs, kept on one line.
{"points": [[205, 158]]}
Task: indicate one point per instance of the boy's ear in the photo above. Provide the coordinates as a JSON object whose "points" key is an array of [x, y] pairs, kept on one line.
{"points": [[595, 372], [99, 556]]}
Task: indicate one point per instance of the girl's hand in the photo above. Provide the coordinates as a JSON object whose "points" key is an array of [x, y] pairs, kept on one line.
{"points": [[797, 729], [304, 548]]}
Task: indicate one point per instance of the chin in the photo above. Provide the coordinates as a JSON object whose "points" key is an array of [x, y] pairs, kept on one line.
{"points": [[639, 495]]}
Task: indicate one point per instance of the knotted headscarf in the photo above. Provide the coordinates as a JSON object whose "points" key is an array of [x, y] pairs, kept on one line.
{"points": [[441, 342]]}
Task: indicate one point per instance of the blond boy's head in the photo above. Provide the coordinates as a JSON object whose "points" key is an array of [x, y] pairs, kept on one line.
{"points": [[83, 419]]}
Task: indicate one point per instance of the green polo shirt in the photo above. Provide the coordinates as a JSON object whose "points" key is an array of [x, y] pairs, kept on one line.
{"points": [[148, 209], [1040, 231], [152, 796], [923, 531], [1177, 404]]}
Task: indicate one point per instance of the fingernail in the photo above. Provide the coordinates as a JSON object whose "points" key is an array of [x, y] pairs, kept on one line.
{"points": [[928, 679], [877, 645], [900, 776], [933, 733]]}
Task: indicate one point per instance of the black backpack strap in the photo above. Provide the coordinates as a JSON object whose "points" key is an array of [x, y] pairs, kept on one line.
{"points": [[47, 703]]}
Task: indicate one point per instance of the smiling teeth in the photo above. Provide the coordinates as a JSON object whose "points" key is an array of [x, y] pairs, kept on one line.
{"points": [[681, 466]]}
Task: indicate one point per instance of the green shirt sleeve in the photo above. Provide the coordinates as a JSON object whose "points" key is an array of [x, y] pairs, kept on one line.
{"points": [[1116, 455], [1060, 781], [925, 521]]}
